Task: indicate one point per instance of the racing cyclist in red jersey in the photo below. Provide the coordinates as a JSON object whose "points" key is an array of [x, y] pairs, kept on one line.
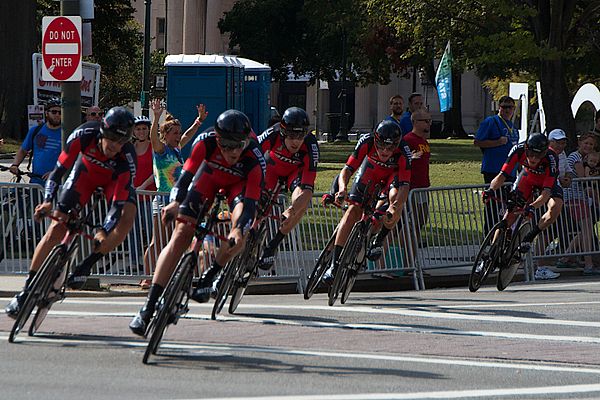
{"points": [[539, 170], [101, 156], [381, 156], [223, 159], [290, 153]]}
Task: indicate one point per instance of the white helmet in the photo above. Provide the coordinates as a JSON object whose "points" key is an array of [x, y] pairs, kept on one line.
{"points": [[142, 119]]}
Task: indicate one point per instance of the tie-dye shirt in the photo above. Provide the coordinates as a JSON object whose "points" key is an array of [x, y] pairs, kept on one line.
{"points": [[167, 168]]}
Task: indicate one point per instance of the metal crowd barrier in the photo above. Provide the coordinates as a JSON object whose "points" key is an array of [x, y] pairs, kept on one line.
{"points": [[441, 228]]}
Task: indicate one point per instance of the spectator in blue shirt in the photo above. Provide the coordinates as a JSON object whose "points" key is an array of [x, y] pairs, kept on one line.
{"points": [[415, 101], [396, 107], [44, 142]]}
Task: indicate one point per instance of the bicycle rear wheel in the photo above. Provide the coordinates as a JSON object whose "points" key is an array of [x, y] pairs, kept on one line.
{"points": [[487, 257], [350, 280], [345, 263], [511, 260], [168, 304], [38, 289], [320, 267]]}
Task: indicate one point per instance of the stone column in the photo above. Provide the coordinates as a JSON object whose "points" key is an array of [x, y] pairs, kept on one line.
{"points": [[363, 120], [175, 26], [193, 26]]}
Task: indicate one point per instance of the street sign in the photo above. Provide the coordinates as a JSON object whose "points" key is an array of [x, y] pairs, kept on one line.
{"points": [[61, 48]]}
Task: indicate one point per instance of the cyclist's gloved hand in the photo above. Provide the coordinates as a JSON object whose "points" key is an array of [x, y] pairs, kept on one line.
{"points": [[529, 211], [486, 195]]}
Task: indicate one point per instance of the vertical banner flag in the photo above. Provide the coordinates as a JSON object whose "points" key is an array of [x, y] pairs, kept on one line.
{"points": [[443, 80]]}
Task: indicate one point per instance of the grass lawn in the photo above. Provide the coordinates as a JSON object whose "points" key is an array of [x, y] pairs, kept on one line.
{"points": [[453, 162], [10, 146]]}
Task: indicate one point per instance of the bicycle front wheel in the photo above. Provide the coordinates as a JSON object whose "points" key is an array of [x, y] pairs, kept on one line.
{"points": [[321, 266], [38, 288], [167, 308], [487, 257], [230, 271], [345, 263], [512, 259]]}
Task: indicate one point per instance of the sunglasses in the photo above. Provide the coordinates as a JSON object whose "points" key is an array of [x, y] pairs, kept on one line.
{"points": [[295, 135], [93, 114], [507, 106], [386, 146], [113, 137], [54, 112], [229, 144], [426, 120], [532, 154]]}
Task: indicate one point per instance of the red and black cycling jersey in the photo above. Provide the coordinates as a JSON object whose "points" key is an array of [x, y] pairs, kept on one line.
{"points": [[282, 163], [398, 163], [91, 170], [543, 175], [206, 171]]}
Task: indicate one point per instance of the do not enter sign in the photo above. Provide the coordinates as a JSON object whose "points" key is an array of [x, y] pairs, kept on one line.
{"points": [[61, 48]]}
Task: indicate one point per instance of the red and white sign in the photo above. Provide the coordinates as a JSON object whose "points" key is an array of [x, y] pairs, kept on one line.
{"points": [[61, 48]]}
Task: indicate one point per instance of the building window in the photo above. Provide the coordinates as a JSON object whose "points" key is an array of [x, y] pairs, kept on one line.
{"points": [[160, 33]]}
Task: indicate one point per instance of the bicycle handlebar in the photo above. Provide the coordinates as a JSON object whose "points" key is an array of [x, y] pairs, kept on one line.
{"points": [[20, 173]]}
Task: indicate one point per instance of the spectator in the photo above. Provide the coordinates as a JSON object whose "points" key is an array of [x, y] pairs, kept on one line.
{"points": [[93, 113], [415, 101], [557, 143], [144, 180], [43, 143], [495, 137], [396, 107], [578, 203], [167, 164], [596, 129]]}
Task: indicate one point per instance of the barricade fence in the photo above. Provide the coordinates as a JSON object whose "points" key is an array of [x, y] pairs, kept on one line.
{"points": [[441, 227]]}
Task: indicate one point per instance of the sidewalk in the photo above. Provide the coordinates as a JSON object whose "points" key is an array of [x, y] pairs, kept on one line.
{"points": [[370, 282]]}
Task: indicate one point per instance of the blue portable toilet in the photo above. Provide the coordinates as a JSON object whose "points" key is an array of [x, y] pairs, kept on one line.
{"points": [[257, 93], [214, 80]]}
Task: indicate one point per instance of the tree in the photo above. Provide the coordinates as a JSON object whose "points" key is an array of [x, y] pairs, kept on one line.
{"points": [[557, 42]]}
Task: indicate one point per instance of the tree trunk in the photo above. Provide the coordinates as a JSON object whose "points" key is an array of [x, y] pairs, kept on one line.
{"points": [[18, 35], [453, 119], [557, 99]]}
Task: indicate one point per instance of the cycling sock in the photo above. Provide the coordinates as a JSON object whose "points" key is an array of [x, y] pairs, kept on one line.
{"points": [[86, 265], [276, 241], [532, 234], [381, 235]]}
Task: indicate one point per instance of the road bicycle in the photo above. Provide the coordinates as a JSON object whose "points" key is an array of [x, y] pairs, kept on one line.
{"points": [[16, 205], [243, 268], [173, 303], [500, 248], [48, 285], [353, 257]]}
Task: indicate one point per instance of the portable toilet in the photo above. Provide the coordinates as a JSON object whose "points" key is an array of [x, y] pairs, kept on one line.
{"points": [[214, 80], [257, 93]]}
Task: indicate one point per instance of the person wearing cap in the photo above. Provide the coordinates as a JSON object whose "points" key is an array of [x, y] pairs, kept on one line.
{"points": [[557, 143], [43, 144]]}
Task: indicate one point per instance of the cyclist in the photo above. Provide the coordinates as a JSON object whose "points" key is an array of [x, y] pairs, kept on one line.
{"points": [[101, 156], [224, 158], [539, 170], [291, 153], [381, 156]]}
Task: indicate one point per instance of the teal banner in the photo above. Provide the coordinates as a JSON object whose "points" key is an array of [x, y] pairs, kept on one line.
{"points": [[443, 80]]}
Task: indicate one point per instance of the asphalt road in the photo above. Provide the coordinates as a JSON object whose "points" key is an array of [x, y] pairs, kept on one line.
{"points": [[531, 341]]}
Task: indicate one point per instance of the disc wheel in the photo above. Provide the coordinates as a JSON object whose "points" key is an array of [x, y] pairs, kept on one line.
{"points": [[512, 259], [487, 257], [38, 289], [176, 289]]}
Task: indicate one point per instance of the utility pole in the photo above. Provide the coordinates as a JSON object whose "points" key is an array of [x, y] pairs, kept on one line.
{"points": [[70, 91], [146, 78]]}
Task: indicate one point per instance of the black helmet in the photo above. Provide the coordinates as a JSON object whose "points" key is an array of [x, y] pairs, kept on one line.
{"points": [[537, 143], [117, 125], [388, 133], [233, 125], [294, 122], [53, 102]]}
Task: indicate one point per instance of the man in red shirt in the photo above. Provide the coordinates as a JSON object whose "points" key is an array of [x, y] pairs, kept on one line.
{"points": [[419, 178]]}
